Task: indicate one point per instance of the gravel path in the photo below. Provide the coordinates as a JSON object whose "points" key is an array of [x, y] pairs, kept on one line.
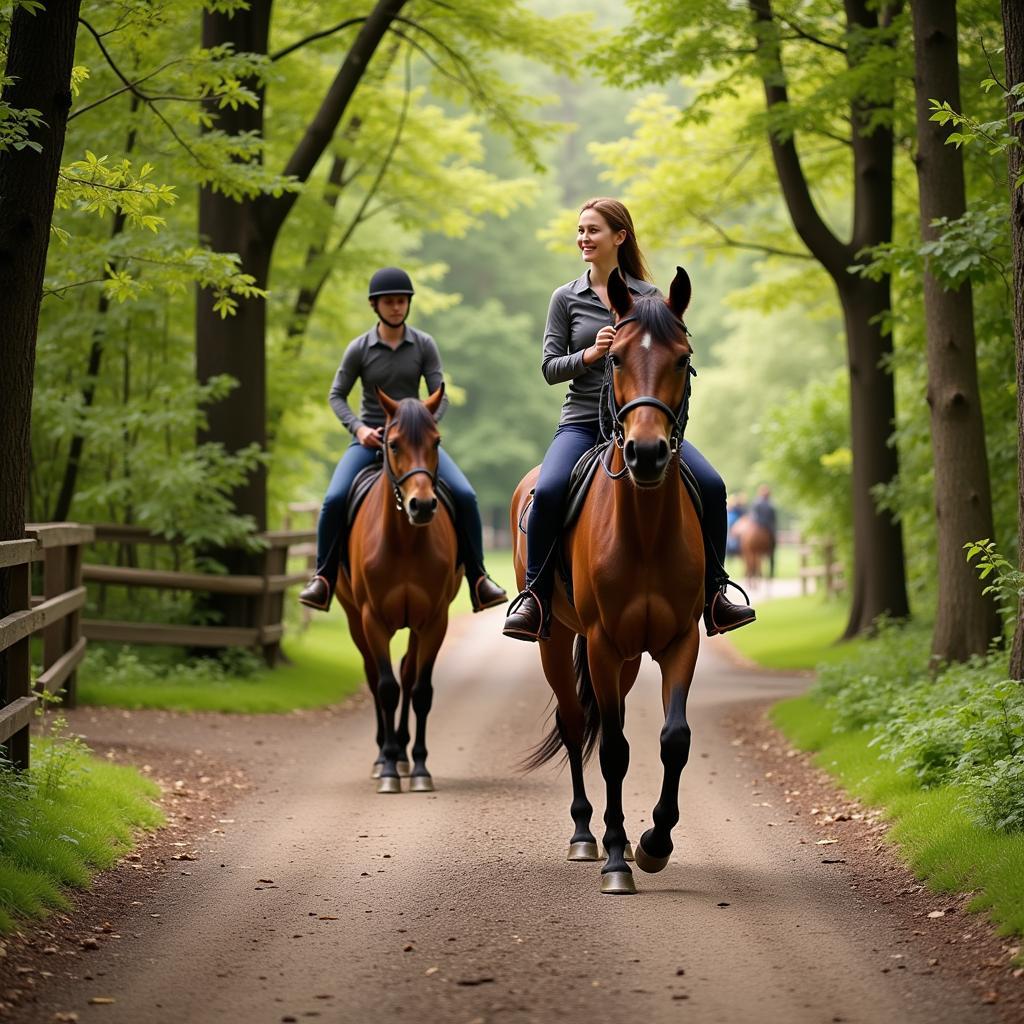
{"points": [[315, 898]]}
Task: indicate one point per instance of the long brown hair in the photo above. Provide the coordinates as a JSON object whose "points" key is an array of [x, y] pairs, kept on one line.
{"points": [[631, 259]]}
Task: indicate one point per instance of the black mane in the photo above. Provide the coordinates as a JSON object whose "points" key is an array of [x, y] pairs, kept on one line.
{"points": [[654, 316], [414, 421]]}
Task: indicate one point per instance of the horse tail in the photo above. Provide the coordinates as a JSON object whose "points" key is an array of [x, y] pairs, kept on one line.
{"points": [[552, 744], [588, 699]]}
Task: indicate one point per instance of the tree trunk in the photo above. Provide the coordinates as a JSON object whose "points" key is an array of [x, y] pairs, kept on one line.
{"points": [[39, 59], [1013, 31], [879, 581], [966, 621], [250, 228]]}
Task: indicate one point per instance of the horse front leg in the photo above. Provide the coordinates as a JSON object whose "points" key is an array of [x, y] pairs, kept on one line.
{"points": [[605, 667], [407, 678], [355, 630], [378, 638], [677, 663], [428, 645]]}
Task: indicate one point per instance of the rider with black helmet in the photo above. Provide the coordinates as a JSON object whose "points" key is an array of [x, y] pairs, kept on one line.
{"points": [[393, 356]]}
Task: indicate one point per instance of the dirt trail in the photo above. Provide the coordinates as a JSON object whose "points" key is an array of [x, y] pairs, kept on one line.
{"points": [[322, 900]]}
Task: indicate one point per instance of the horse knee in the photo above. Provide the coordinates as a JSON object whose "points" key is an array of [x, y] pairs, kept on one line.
{"points": [[675, 743]]}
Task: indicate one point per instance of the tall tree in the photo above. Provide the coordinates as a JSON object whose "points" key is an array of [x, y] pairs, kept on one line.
{"points": [[1013, 30], [966, 621], [250, 227], [37, 97]]}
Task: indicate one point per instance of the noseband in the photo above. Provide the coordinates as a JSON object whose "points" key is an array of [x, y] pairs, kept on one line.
{"points": [[611, 416], [397, 481]]}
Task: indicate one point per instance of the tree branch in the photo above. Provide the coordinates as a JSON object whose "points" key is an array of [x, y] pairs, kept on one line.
{"points": [[802, 33], [122, 90], [809, 225], [348, 23], [733, 243], [272, 210]]}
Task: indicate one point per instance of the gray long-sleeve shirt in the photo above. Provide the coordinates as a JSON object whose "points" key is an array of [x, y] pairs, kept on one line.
{"points": [[396, 371], [575, 316]]}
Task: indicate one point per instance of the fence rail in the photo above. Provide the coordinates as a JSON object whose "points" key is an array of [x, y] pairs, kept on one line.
{"points": [[818, 564], [260, 606], [56, 614]]}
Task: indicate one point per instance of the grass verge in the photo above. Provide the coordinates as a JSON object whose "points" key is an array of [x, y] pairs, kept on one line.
{"points": [[323, 668], [71, 816], [795, 633], [936, 837]]}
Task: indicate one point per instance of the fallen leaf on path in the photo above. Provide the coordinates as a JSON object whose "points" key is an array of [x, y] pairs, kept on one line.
{"points": [[326, 917], [431, 970], [937, 913], [470, 982], [101, 1001], [825, 842], [65, 1017], [990, 997], [265, 881]]}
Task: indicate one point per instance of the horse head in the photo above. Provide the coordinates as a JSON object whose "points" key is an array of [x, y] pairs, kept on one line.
{"points": [[650, 372], [411, 443]]}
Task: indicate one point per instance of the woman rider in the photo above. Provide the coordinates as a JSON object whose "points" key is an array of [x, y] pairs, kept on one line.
{"points": [[392, 356], [577, 336]]}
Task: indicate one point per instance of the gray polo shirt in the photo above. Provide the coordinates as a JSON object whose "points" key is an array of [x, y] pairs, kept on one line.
{"points": [[575, 316], [396, 371]]}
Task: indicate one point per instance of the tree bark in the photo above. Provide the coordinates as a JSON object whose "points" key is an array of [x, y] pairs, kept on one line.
{"points": [[39, 59], [879, 580], [1013, 32], [965, 621], [250, 228]]}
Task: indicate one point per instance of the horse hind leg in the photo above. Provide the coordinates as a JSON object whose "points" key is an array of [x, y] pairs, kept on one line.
{"points": [[570, 724], [426, 651], [355, 629], [677, 665], [387, 694]]}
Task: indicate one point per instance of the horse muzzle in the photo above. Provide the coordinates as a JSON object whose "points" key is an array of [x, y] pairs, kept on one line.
{"points": [[421, 510], [647, 460]]}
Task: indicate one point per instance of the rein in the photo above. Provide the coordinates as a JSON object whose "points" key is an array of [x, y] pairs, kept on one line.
{"points": [[397, 481], [611, 416]]}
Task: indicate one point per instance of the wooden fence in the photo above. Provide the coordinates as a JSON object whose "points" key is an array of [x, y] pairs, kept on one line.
{"points": [[55, 614], [261, 596], [818, 563]]}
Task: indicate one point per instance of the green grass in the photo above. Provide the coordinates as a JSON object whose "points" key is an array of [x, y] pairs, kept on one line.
{"points": [[57, 836], [324, 667], [934, 834], [794, 633]]}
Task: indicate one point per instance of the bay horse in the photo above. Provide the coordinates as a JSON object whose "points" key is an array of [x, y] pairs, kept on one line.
{"points": [[637, 569], [757, 543], [404, 573]]}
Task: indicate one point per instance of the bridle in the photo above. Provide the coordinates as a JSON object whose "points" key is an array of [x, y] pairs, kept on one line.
{"points": [[611, 416], [397, 481]]}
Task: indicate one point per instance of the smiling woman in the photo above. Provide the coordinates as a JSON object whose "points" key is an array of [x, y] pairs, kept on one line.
{"points": [[577, 338]]}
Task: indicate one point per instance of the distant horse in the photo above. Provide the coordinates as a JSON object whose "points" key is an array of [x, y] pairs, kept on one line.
{"points": [[637, 569], [404, 572], [757, 543]]}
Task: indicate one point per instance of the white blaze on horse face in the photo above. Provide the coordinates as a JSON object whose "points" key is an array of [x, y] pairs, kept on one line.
{"points": [[645, 342]]}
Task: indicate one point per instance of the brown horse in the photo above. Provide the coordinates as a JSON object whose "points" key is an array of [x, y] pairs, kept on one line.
{"points": [[637, 566], [404, 573], [757, 543]]}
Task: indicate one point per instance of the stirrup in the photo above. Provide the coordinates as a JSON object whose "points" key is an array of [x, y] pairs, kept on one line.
{"points": [[543, 630], [726, 582]]}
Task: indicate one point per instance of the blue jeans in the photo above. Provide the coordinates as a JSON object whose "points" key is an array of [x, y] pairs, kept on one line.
{"points": [[544, 525], [331, 532]]}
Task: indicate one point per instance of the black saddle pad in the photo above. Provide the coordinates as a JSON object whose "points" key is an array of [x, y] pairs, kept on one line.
{"points": [[580, 479]]}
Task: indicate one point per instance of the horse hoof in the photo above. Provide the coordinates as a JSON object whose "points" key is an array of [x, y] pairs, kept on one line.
{"points": [[375, 770], [404, 769], [389, 784], [618, 883], [421, 784], [582, 851], [645, 862], [627, 853]]}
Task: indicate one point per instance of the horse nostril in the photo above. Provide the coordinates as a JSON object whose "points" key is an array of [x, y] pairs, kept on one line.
{"points": [[414, 505], [629, 453], [433, 504], [662, 451]]}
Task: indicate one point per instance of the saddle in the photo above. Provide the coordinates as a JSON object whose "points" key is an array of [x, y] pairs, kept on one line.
{"points": [[362, 486], [580, 479]]}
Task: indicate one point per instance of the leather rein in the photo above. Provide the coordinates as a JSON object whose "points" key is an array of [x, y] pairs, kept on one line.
{"points": [[397, 481], [611, 416]]}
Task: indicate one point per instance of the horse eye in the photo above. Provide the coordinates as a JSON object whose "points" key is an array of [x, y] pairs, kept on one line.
{"points": [[437, 443], [393, 445]]}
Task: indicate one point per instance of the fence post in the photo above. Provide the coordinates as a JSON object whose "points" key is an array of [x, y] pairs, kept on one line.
{"points": [[16, 679], [73, 628], [803, 565], [275, 562], [828, 551], [55, 583]]}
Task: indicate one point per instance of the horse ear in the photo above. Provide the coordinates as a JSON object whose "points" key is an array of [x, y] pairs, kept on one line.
{"points": [[388, 404], [618, 294], [679, 293], [433, 402]]}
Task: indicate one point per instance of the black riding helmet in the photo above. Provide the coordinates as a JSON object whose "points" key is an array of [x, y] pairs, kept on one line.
{"points": [[390, 281]]}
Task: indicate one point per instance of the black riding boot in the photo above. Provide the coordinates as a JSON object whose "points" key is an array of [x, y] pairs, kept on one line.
{"points": [[720, 614], [529, 617]]}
